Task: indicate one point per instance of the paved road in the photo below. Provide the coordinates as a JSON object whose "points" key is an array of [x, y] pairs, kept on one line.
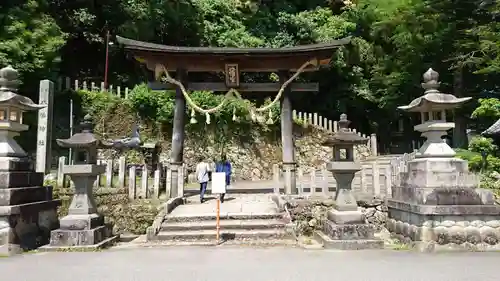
{"points": [[242, 264]]}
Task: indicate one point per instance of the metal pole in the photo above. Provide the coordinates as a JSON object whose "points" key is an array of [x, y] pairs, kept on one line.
{"points": [[217, 225], [70, 158], [107, 62]]}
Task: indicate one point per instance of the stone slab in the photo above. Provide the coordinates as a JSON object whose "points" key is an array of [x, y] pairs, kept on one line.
{"points": [[22, 195], [15, 164], [26, 231], [346, 217], [84, 169], [81, 222], [443, 195], [29, 208], [451, 210], [108, 242], [329, 243], [71, 238], [349, 231], [13, 179]]}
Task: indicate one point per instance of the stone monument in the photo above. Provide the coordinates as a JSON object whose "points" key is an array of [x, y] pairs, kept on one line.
{"points": [[346, 227], [83, 226], [27, 211], [438, 205]]}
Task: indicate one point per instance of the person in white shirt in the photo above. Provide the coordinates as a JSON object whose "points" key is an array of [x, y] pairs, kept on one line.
{"points": [[202, 171]]}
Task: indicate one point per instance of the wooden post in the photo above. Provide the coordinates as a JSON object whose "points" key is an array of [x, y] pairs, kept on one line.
{"points": [[97, 182], [376, 178], [121, 171], [326, 188], [362, 180], [109, 173], [313, 182], [289, 164], [276, 178], [156, 184], [44, 137], [168, 182], [131, 183], [300, 177], [373, 144], [144, 182], [178, 134], [388, 181], [60, 174]]}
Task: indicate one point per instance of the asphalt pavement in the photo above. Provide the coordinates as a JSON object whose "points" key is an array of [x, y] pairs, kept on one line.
{"points": [[238, 263]]}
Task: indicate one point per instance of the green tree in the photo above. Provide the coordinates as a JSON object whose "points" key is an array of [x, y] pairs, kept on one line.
{"points": [[30, 40]]}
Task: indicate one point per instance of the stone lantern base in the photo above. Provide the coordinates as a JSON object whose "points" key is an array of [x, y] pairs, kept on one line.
{"points": [[438, 207], [348, 230], [27, 211]]}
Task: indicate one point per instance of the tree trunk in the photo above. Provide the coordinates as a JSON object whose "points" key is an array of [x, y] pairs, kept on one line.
{"points": [[459, 133]]}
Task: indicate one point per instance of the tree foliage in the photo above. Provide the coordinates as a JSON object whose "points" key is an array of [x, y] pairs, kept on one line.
{"points": [[393, 43]]}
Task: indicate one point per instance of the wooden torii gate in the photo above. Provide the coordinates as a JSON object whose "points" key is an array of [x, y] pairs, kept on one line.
{"points": [[232, 62]]}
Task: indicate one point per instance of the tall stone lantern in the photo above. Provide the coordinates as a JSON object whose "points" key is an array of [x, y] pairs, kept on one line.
{"points": [[27, 211], [432, 107], [346, 227], [12, 107], [439, 205], [83, 226]]}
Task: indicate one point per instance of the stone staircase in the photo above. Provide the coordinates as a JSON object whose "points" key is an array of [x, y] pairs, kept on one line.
{"points": [[244, 218]]}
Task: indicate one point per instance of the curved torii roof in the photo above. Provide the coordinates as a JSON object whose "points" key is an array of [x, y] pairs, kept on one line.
{"points": [[214, 58]]}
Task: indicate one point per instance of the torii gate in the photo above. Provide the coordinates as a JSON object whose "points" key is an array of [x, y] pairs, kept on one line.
{"points": [[232, 62]]}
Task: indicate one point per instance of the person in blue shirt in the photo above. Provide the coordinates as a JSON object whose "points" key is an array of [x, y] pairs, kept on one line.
{"points": [[224, 166]]}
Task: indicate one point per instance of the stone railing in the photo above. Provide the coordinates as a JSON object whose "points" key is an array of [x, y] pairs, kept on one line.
{"points": [[373, 180], [140, 182], [399, 167], [314, 119]]}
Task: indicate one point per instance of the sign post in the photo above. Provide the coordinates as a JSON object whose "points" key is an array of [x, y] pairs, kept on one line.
{"points": [[218, 187]]}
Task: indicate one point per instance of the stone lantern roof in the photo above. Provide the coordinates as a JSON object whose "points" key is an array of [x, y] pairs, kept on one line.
{"points": [[433, 100], [493, 130], [8, 91], [343, 135], [84, 139]]}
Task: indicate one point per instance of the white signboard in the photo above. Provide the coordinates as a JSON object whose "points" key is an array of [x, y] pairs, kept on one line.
{"points": [[218, 183]]}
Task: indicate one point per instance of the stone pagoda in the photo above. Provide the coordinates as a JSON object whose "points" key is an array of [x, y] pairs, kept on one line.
{"points": [[27, 211], [83, 226], [438, 204], [346, 227]]}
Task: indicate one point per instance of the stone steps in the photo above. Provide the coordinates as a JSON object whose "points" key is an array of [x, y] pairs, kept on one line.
{"points": [[224, 225], [233, 234], [197, 226], [223, 216]]}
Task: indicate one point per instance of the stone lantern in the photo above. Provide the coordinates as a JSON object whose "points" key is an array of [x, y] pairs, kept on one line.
{"points": [[438, 205], [342, 165], [346, 227], [432, 107], [12, 107], [27, 211], [83, 226]]}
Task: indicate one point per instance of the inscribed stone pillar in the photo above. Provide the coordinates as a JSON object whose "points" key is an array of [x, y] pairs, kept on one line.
{"points": [[178, 135], [289, 165], [44, 138]]}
